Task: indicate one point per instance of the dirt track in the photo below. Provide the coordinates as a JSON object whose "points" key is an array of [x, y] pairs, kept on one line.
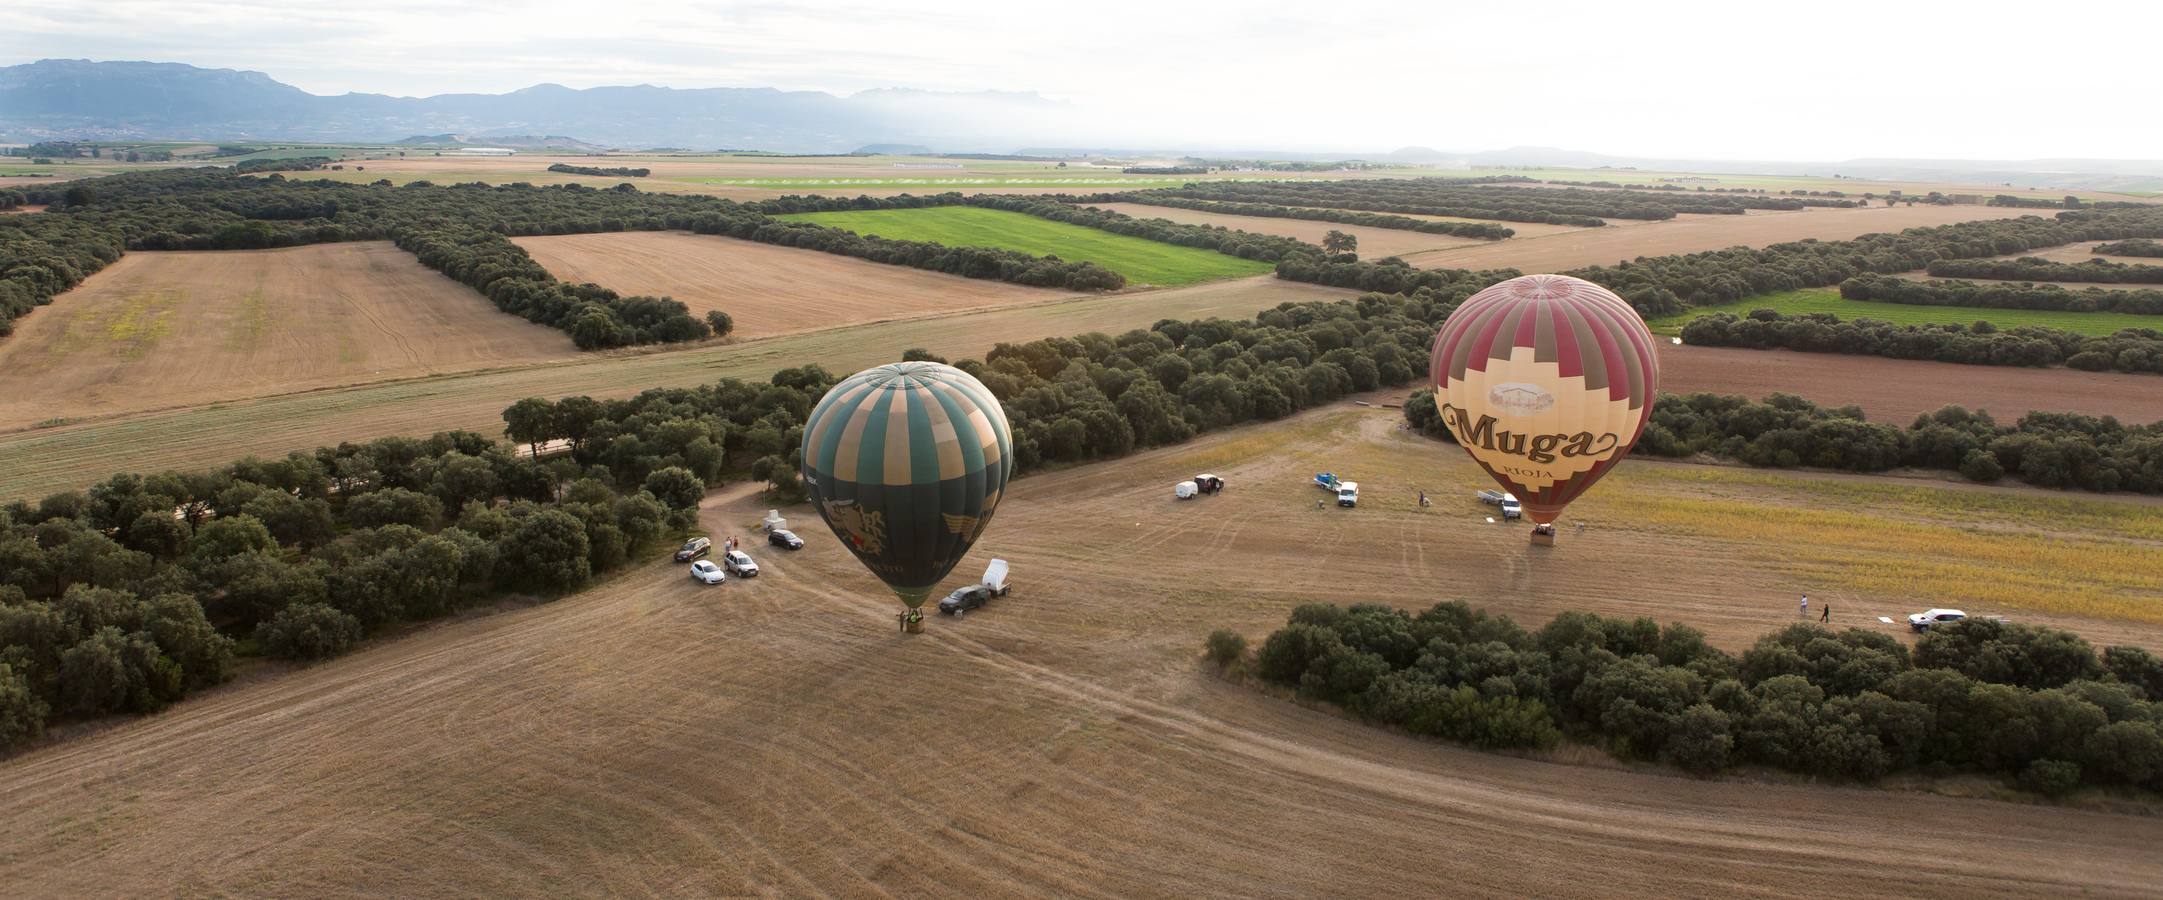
{"points": [[655, 737], [767, 290], [161, 329]]}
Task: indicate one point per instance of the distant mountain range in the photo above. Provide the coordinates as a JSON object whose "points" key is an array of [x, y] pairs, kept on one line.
{"points": [[59, 99], [80, 99]]}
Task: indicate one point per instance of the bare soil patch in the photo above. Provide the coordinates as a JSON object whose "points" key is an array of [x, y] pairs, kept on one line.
{"points": [[1689, 233], [1373, 242], [776, 735], [29, 208], [1898, 390], [767, 289], [164, 329]]}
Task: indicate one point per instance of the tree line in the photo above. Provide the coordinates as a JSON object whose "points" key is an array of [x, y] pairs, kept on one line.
{"points": [[595, 317], [124, 597], [1996, 295], [291, 164], [2053, 450], [94, 221], [2138, 350], [1483, 230], [2130, 248], [1165, 170], [598, 172], [2031, 268], [12, 199], [1661, 285], [2036, 705], [1446, 197]]}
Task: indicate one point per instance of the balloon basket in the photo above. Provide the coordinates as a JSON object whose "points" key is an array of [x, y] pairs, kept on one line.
{"points": [[912, 624], [1543, 538]]}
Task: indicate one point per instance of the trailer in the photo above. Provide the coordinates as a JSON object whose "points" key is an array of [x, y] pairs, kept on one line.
{"points": [[1511, 509]]}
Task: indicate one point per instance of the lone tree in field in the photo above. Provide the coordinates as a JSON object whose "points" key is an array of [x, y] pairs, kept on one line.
{"points": [[1339, 242]]}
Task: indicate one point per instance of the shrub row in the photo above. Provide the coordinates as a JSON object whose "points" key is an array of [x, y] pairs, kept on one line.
{"points": [[1166, 170], [2034, 704], [2119, 248], [2053, 450], [594, 316], [1983, 344], [2022, 295], [2030, 268], [123, 597], [1483, 230], [612, 172], [1659, 285]]}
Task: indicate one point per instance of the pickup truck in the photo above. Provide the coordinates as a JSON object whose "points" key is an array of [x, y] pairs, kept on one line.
{"points": [[1326, 481], [1511, 509]]}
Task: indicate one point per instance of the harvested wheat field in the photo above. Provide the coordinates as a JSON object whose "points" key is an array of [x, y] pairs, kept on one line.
{"points": [[73, 455], [164, 329], [1897, 390], [775, 736], [768, 290], [1373, 242], [1693, 233]]}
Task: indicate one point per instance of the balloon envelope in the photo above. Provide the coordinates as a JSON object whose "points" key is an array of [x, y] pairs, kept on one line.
{"points": [[906, 463], [1547, 381]]}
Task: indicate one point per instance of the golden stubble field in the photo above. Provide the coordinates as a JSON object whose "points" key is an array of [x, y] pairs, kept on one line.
{"points": [[165, 329], [767, 290], [776, 736]]}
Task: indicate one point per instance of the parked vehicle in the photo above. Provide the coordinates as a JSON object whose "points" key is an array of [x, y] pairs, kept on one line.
{"points": [[1184, 490], [1348, 493], [1925, 620], [694, 548], [980, 593], [739, 564], [1326, 481], [1511, 509], [1208, 484], [785, 539], [706, 572]]}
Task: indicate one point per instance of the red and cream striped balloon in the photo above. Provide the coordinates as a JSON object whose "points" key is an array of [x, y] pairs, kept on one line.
{"points": [[1547, 381]]}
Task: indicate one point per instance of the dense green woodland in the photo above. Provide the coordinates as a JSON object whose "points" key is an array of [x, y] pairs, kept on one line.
{"points": [[1482, 230], [1993, 295], [610, 172], [1660, 285], [2054, 450], [2029, 268], [2137, 350], [2036, 704], [2115, 248]]}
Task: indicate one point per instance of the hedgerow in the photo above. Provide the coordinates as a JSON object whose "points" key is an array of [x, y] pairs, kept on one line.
{"points": [[2033, 704]]}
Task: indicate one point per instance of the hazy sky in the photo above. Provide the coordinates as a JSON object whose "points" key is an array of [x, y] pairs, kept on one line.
{"points": [[1820, 81]]}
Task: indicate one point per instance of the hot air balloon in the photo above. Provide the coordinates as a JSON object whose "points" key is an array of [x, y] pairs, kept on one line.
{"points": [[1547, 381], [906, 463]]}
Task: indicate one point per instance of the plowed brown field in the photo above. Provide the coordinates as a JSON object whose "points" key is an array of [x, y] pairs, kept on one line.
{"points": [[775, 736], [767, 289], [157, 330]]}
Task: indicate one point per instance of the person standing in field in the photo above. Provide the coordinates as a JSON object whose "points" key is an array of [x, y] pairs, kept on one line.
{"points": [[1802, 609], [1827, 616]]}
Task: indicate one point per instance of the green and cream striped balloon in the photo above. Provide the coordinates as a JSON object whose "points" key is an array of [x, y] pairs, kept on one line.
{"points": [[906, 463]]}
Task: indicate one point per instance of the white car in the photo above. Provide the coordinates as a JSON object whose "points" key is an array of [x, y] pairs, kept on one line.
{"points": [[739, 564], [705, 571], [1922, 621]]}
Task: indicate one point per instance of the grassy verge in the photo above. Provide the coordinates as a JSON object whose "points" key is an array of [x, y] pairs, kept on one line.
{"points": [[1828, 300], [1141, 260]]}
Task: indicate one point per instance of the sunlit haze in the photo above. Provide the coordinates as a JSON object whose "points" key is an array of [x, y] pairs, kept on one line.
{"points": [[1829, 81]]}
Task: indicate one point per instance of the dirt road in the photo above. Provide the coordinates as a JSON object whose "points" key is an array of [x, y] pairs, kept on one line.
{"points": [[776, 736]]}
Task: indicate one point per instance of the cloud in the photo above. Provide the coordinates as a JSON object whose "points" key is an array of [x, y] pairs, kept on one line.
{"points": [[1840, 78]]}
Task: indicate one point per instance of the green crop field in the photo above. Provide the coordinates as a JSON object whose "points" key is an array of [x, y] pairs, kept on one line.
{"points": [[1141, 260], [1827, 300]]}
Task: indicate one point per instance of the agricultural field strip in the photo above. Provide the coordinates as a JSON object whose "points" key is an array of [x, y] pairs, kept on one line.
{"points": [[1828, 300], [1141, 260]]}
